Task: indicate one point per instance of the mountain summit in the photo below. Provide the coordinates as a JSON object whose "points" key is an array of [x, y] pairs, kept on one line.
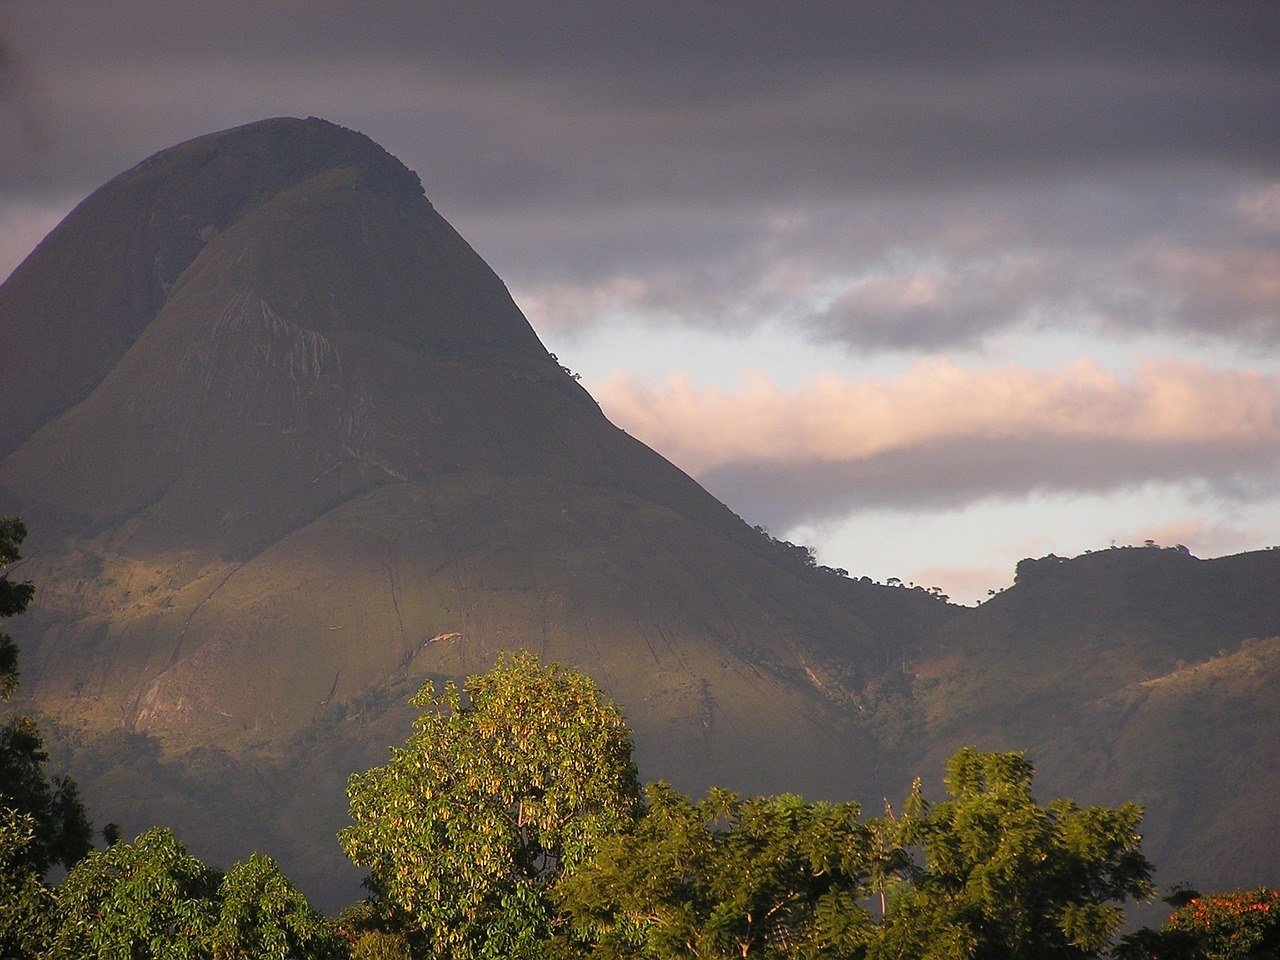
{"points": [[295, 449]]}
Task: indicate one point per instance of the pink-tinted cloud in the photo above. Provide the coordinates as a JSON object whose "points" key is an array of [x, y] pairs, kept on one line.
{"points": [[942, 434], [964, 584], [1261, 207], [1202, 537]]}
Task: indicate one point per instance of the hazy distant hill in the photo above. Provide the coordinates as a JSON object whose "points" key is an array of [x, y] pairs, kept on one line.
{"points": [[288, 448]]}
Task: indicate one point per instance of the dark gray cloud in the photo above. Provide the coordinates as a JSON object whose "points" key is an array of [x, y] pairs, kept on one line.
{"points": [[23, 128], [948, 474], [720, 164]]}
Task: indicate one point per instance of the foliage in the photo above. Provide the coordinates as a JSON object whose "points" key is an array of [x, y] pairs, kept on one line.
{"points": [[14, 597], [371, 934], [62, 831], [146, 900], [25, 902], [1244, 925], [489, 802], [724, 877], [263, 916], [380, 945], [1227, 926], [151, 900], [1007, 878]]}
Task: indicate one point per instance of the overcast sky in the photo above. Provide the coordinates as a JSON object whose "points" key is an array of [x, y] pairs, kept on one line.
{"points": [[932, 287]]}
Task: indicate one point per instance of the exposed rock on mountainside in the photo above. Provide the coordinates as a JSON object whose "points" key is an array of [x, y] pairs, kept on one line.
{"points": [[291, 445]]}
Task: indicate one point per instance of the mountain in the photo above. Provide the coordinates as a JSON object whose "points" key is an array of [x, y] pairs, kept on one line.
{"points": [[1134, 673], [290, 448]]}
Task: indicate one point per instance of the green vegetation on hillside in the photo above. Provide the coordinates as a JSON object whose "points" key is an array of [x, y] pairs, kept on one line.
{"points": [[511, 825], [42, 821]]}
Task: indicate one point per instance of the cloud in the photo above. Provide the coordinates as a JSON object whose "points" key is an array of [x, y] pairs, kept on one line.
{"points": [[930, 305], [1203, 537], [851, 171], [942, 435], [925, 274], [1261, 206], [964, 584], [23, 127]]}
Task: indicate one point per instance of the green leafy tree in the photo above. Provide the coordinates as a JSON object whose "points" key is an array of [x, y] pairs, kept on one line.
{"points": [[722, 878], [380, 945], [26, 904], [371, 934], [1006, 878], [263, 916], [14, 597], [42, 821], [488, 803], [146, 900]]}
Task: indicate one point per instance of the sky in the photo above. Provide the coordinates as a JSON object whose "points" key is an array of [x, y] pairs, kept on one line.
{"points": [[931, 287]]}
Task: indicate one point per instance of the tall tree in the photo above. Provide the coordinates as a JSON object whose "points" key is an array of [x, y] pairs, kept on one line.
{"points": [[26, 904], [722, 879], [146, 900], [262, 915], [14, 597], [491, 800], [1004, 877], [62, 831]]}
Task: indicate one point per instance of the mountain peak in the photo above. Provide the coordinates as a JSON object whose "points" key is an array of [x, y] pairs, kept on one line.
{"points": [[259, 159], [71, 310]]}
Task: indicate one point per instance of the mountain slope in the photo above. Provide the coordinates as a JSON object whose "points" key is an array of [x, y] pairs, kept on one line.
{"points": [[1132, 673], [289, 466]]}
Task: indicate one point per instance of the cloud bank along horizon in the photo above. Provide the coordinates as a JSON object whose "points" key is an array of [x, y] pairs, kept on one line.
{"points": [[932, 288]]}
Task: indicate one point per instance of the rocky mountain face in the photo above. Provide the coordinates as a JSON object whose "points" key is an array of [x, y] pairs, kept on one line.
{"points": [[288, 449]]}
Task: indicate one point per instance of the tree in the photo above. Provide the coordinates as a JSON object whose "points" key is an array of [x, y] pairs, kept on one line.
{"points": [[369, 933], [146, 900], [1244, 925], [1007, 878], [263, 916], [25, 902], [42, 821], [725, 877], [489, 802], [14, 597]]}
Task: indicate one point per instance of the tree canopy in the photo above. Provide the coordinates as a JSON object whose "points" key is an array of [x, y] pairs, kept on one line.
{"points": [[503, 788], [725, 877], [1004, 877], [42, 820]]}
